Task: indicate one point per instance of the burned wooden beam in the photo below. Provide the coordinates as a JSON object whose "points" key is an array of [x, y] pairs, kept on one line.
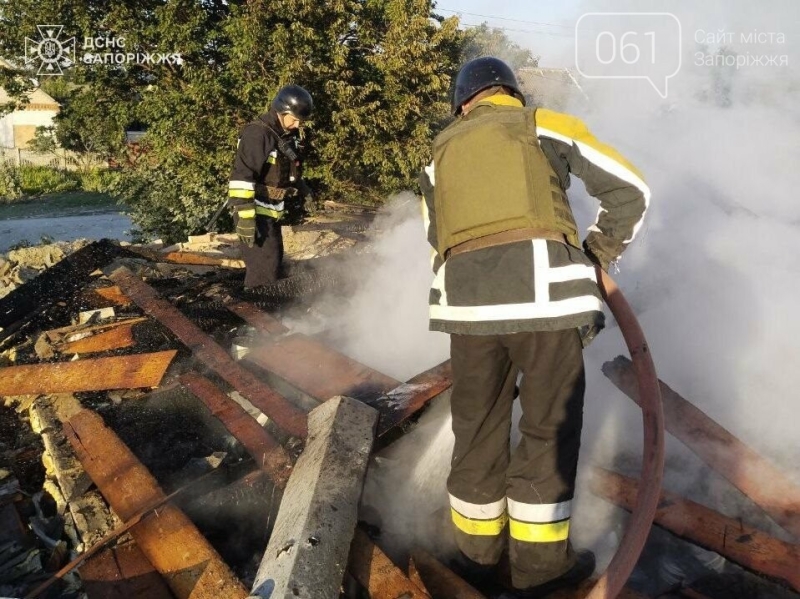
{"points": [[122, 571], [377, 574], [584, 588], [257, 318], [747, 546], [114, 295], [405, 400], [320, 371], [281, 411], [75, 332], [413, 576], [753, 475], [114, 338], [441, 581], [266, 451], [188, 258], [117, 372], [188, 563]]}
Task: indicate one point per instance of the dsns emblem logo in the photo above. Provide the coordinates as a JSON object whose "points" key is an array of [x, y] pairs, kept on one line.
{"points": [[49, 51]]}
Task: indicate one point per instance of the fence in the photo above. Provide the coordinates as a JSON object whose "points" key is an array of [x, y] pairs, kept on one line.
{"points": [[61, 160]]}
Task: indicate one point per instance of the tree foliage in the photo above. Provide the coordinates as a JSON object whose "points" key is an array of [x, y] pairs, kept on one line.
{"points": [[380, 72]]}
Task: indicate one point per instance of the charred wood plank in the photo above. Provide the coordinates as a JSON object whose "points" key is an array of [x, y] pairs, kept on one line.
{"points": [[440, 580], [747, 546], [266, 451], [118, 372], [322, 372], [114, 295], [79, 331], [584, 588], [188, 563], [405, 400], [257, 318], [189, 258], [274, 405], [319, 371], [123, 573], [377, 574], [114, 338], [749, 472]]}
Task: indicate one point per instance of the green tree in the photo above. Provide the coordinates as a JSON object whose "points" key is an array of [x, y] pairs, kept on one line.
{"points": [[379, 71]]}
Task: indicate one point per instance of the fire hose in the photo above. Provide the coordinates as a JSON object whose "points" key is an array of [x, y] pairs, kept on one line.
{"points": [[613, 579]]}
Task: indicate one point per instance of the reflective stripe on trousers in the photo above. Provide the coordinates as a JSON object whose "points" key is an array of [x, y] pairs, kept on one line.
{"points": [[528, 522]]}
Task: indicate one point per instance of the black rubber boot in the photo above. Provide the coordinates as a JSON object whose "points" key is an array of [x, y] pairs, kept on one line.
{"points": [[583, 569], [473, 573]]}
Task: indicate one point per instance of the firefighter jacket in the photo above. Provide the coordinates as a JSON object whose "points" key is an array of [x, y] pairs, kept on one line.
{"points": [[505, 167], [263, 176]]}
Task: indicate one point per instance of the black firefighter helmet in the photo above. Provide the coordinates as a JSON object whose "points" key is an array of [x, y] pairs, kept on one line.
{"points": [[295, 100], [480, 74]]}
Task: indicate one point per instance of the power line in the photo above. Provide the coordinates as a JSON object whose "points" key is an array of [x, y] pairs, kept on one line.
{"points": [[518, 30], [474, 14]]}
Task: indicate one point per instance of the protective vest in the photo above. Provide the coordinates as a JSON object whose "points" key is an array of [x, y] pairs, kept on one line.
{"points": [[491, 176], [277, 169]]}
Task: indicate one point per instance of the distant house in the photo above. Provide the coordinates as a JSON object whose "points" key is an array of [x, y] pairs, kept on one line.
{"points": [[556, 89], [19, 127]]}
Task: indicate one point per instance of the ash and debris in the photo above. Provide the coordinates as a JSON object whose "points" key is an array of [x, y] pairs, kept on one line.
{"points": [[49, 513]]}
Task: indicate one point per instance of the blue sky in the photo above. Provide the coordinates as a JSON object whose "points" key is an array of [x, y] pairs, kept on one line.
{"points": [[545, 27]]}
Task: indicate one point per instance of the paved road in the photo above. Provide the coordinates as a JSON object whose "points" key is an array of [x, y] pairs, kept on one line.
{"points": [[113, 225]]}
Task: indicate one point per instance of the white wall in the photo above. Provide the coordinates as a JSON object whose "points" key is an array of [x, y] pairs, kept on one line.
{"points": [[6, 132], [39, 118]]}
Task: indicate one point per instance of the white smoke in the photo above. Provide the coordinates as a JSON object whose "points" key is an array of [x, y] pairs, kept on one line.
{"points": [[713, 276]]}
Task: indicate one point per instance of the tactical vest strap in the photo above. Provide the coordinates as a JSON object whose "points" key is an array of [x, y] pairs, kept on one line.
{"points": [[503, 238]]}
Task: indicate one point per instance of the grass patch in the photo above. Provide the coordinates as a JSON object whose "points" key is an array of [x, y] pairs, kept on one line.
{"points": [[66, 203]]}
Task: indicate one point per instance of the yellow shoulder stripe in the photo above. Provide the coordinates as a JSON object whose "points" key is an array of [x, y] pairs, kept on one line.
{"points": [[565, 125], [501, 100]]}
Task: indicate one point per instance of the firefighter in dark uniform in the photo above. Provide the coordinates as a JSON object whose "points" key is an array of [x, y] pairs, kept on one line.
{"points": [[266, 174], [517, 292]]}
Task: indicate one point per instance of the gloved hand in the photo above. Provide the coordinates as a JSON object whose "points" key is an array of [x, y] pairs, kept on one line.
{"points": [[246, 230], [309, 204], [287, 148], [594, 257]]}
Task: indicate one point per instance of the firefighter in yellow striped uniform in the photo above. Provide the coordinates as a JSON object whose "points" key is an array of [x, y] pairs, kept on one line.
{"points": [[266, 173], [517, 291]]}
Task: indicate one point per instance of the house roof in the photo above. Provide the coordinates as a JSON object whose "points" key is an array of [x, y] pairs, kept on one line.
{"points": [[39, 100]]}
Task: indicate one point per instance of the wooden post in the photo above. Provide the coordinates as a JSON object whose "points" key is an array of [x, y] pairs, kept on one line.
{"points": [[754, 476], [748, 547]]}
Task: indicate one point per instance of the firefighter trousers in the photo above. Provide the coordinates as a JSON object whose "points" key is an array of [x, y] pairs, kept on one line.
{"points": [[522, 499], [263, 260]]}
